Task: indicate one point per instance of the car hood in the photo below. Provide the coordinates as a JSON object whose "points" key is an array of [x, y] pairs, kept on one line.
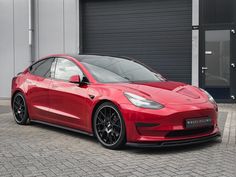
{"points": [[167, 92]]}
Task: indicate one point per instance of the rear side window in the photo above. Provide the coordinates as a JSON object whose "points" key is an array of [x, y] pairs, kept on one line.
{"points": [[42, 68]]}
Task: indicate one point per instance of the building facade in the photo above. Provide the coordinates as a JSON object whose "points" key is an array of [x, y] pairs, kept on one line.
{"points": [[191, 41]]}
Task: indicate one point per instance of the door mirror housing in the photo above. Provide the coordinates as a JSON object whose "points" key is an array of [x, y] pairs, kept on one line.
{"points": [[75, 79]]}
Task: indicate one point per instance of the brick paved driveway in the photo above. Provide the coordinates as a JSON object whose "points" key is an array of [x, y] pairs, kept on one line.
{"points": [[38, 150]]}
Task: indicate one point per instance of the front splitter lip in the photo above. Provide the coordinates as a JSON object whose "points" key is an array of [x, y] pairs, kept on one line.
{"points": [[174, 143]]}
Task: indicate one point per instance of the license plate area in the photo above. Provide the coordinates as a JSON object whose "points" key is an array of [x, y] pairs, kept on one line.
{"points": [[198, 122]]}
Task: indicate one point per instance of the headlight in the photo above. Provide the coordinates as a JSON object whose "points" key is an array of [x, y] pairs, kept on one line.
{"points": [[142, 102], [211, 99]]}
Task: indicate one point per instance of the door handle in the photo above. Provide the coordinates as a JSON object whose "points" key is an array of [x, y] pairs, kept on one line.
{"points": [[208, 52], [204, 68], [233, 65]]}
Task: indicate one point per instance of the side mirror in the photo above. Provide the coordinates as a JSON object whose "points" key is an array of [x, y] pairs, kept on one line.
{"points": [[75, 79]]}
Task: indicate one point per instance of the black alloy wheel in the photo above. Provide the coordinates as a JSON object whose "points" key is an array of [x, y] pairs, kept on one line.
{"points": [[109, 126], [20, 109]]}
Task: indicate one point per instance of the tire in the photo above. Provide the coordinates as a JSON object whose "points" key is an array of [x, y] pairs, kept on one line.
{"points": [[20, 110], [109, 126]]}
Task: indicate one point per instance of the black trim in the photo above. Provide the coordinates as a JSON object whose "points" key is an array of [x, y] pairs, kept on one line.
{"points": [[141, 124], [178, 142], [62, 127], [91, 96]]}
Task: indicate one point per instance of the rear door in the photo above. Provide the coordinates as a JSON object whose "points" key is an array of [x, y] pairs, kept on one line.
{"points": [[68, 101], [38, 82]]}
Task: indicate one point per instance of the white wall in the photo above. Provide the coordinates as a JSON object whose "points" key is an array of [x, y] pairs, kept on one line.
{"points": [[21, 42], [55, 26], [195, 43], [14, 49]]}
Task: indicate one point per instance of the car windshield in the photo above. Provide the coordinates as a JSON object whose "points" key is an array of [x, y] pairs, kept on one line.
{"points": [[111, 69]]}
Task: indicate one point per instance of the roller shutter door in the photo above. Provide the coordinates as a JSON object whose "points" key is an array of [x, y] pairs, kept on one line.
{"points": [[156, 32]]}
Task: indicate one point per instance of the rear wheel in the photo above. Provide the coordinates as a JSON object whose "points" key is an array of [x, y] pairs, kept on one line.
{"points": [[109, 126], [20, 109]]}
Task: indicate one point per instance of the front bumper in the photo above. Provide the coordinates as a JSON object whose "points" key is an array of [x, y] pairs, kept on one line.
{"points": [[167, 126], [178, 142]]}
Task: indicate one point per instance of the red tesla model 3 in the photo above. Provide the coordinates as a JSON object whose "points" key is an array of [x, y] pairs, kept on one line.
{"points": [[117, 100]]}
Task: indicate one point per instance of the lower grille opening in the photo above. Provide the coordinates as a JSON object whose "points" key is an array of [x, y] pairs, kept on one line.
{"points": [[189, 132]]}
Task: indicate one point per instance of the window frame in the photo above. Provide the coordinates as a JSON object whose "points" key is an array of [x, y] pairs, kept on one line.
{"points": [[41, 60], [67, 81]]}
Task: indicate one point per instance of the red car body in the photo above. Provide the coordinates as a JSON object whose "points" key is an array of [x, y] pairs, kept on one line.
{"points": [[56, 102]]}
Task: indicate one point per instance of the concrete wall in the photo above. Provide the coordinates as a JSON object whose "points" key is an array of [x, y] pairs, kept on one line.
{"points": [[195, 43], [55, 30], [56, 27], [14, 48]]}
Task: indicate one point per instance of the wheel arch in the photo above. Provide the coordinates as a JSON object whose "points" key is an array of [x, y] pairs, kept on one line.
{"points": [[100, 102], [95, 108], [22, 92], [14, 93]]}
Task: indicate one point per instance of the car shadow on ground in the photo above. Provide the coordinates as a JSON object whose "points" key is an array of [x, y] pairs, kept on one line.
{"points": [[131, 149]]}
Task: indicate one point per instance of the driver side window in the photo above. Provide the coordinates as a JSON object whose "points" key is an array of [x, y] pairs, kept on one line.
{"points": [[65, 69]]}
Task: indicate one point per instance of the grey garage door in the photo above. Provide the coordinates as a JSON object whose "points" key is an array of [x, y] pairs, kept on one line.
{"points": [[156, 32]]}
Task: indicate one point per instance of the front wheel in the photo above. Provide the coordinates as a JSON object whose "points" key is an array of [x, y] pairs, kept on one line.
{"points": [[109, 126], [20, 109]]}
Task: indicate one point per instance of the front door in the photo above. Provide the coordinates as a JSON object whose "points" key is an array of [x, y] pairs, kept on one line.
{"points": [[68, 101], [218, 68]]}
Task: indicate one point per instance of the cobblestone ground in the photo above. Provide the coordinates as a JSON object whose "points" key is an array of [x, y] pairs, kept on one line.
{"points": [[38, 150]]}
